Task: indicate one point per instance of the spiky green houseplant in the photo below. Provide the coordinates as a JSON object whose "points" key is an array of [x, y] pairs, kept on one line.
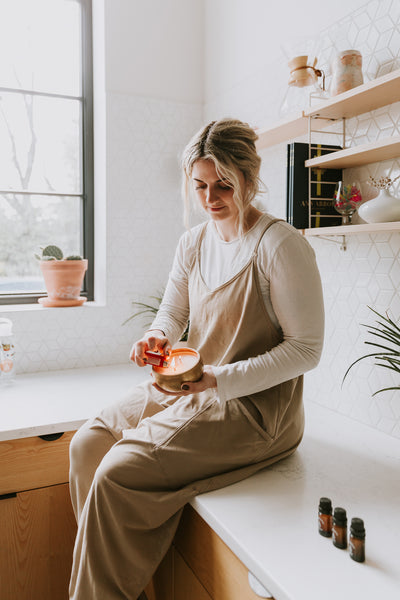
{"points": [[150, 311], [386, 341]]}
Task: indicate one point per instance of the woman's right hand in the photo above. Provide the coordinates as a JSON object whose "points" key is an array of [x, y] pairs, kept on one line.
{"points": [[153, 340]]}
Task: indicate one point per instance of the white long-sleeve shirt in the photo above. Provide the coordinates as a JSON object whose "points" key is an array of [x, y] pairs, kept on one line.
{"points": [[291, 289]]}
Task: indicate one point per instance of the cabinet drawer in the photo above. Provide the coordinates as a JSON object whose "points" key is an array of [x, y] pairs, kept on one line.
{"points": [[38, 529], [217, 568], [30, 463]]}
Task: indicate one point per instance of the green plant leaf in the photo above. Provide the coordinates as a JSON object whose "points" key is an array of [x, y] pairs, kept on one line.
{"points": [[387, 318], [147, 309], [390, 366], [385, 331], [388, 331], [386, 335], [152, 310], [386, 390], [357, 361], [375, 345], [53, 250]]}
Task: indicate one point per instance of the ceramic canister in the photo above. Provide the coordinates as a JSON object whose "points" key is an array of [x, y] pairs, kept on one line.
{"points": [[346, 72], [384, 208], [184, 364]]}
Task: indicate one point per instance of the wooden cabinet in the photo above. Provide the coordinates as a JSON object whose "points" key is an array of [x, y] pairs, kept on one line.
{"points": [[38, 532], [200, 566], [37, 522]]}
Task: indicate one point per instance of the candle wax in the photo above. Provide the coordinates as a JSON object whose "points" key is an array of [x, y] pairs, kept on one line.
{"points": [[179, 363]]}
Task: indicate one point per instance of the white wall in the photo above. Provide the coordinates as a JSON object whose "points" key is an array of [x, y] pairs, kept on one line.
{"points": [[155, 48], [243, 37]]}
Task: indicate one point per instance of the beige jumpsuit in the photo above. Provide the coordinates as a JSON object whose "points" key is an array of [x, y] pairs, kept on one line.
{"points": [[176, 448]]}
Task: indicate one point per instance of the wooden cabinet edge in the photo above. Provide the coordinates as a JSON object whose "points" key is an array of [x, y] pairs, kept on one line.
{"points": [[217, 568]]}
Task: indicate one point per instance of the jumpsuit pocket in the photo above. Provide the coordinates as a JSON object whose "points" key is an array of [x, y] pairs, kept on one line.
{"points": [[272, 411], [263, 421]]}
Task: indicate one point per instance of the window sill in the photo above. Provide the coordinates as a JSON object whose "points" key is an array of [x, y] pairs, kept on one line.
{"points": [[12, 308]]}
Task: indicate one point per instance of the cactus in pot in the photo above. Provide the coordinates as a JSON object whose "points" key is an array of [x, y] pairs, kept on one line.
{"points": [[63, 277]]}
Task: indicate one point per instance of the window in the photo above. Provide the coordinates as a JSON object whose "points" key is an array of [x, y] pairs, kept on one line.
{"points": [[46, 140]]}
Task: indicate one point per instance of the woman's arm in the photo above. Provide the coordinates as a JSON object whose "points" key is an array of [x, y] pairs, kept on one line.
{"points": [[173, 314], [296, 297]]}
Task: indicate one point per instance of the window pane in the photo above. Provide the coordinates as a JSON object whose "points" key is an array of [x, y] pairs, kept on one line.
{"points": [[40, 45], [40, 144], [28, 222]]}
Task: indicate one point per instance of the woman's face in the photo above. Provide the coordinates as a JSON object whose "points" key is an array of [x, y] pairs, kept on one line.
{"points": [[215, 194]]}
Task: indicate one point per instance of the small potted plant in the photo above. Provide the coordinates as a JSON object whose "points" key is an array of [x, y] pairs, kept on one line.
{"points": [[63, 277]]}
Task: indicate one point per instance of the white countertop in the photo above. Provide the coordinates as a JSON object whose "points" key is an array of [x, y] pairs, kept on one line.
{"points": [[55, 401], [269, 520]]}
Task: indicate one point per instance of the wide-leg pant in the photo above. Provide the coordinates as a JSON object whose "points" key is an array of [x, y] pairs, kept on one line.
{"points": [[133, 469]]}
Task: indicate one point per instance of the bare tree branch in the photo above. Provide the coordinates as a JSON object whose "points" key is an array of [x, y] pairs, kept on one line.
{"points": [[32, 147], [19, 204], [14, 148]]}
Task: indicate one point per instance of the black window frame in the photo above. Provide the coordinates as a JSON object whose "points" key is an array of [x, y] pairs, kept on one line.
{"points": [[87, 162]]}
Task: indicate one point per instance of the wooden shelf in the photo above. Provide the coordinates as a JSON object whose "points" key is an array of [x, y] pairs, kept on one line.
{"points": [[285, 130], [364, 98], [359, 155], [353, 229]]}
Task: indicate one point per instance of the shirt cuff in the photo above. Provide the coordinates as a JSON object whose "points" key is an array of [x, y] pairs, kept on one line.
{"points": [[221, 391]]}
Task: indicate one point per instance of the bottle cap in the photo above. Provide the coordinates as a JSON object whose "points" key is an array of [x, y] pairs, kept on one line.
{"points": [[339, 516], [325, 506], [357, 527], [5, 327]]}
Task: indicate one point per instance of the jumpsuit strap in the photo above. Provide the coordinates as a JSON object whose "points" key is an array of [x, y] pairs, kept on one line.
{"points": [[268, 225]]}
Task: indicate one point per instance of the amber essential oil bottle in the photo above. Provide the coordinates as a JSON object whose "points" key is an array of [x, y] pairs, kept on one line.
{"points": [[339, 528], [325, 517], [357, 540]]}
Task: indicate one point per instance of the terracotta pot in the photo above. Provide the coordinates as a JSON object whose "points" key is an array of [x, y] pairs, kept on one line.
{"points": [[63, 279]]}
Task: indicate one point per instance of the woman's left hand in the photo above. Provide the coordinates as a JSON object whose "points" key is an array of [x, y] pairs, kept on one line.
{"points": [[207, 381]]}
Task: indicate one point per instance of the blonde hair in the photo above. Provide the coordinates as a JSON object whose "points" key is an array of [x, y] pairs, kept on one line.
{"points": [[230, 144]]}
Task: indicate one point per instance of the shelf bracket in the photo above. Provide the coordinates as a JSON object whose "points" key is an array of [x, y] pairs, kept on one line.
{"points": [[343, 245]]}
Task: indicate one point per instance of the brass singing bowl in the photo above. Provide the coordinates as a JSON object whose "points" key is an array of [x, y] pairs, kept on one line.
{"points": [[172, 382]]}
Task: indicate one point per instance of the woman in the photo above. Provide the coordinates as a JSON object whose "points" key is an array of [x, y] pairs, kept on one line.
{"points": [[250, 287]]}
